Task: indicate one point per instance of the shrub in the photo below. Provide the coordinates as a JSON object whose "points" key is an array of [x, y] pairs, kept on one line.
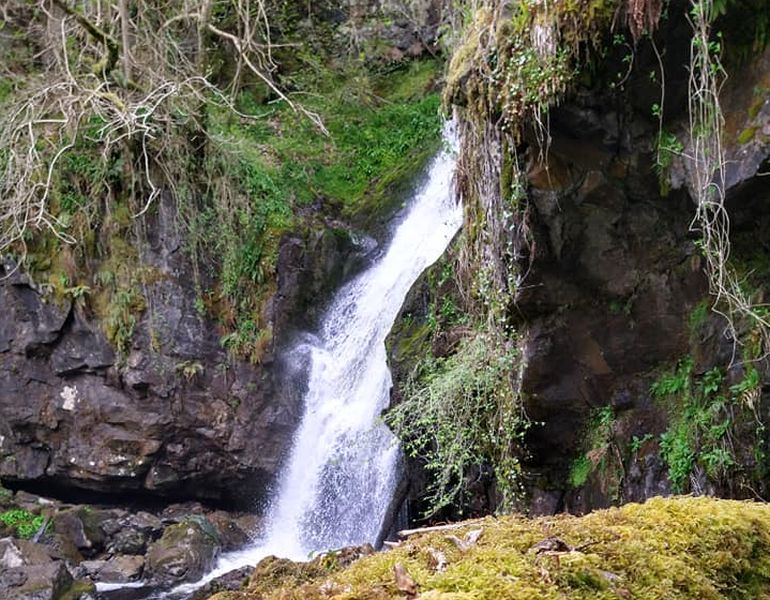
{"points": [[460, 412]]}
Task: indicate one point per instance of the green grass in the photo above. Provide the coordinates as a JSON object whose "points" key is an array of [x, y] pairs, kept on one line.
{"points": [[378, 127], [381, 129]]}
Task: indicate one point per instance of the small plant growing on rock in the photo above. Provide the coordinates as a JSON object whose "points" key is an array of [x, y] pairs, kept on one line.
{"points": [[22, 521], [189, 369]]}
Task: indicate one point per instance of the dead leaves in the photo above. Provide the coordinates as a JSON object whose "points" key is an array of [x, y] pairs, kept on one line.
{"points": [[470, 539], [438, 560], [404, 581]]}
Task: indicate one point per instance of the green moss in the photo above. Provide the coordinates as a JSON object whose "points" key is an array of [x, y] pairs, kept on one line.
{"points": [[677, 548], [580, 471], [596, 455], [500, 66], [745, 136], [80, 588], [699, 316]]}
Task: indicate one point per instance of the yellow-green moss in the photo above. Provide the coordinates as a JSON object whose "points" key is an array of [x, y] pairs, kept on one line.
{"points": [[677, 548], [745, 136], [520, 65]]}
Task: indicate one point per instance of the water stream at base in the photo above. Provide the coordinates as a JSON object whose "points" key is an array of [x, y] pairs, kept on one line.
{"points": [[340, 479]]}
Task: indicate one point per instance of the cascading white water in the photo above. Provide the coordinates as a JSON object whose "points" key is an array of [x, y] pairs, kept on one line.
{"points": [[341, 476]]}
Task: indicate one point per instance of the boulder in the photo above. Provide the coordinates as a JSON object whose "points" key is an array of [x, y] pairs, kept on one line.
{"points": [[185, 552], [229, 582], [28, 572], [37, 582], [118, 569], [234, 531]]}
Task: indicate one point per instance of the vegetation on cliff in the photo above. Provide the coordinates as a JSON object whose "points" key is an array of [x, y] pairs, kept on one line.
{"points": [[242, 115], [686, 548], [511, 68]]}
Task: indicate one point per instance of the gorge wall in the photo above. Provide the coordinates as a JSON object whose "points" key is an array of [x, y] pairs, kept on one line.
{"points": [[611, 298], [116, 378]]}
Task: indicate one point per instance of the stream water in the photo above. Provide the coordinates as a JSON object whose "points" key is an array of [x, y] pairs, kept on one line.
{"points": [[339, 480]]}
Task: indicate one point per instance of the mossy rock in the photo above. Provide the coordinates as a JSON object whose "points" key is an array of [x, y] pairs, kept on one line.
{"points": [[681, 547]]}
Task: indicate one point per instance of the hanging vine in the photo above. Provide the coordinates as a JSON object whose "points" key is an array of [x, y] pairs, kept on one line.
{"points": [[706, 158]]}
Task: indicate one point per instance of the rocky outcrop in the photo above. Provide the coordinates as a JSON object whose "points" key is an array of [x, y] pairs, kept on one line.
{"points": [[613, 292], [75, 547], [614, 280], [175, 416], [394, 29], [29, 572]]}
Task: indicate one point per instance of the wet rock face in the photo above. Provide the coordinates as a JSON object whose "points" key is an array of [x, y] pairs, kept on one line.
{"points": [[74, 414], [614, 277], [175, 416]]}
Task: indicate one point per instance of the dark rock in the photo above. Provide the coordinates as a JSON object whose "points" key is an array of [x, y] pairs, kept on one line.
{"points": [[18, 553], [34, 504], [184, 553], [129, 541], [88, 528], [229, 582], [27, 572], [118, 569], [74, 416], [234, 532], [62, 548], [37, 582]]}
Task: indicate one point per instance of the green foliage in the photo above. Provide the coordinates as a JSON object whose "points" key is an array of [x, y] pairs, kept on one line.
{"points": [[637, 442], [501, 66], [580, 471], [676, 450], [459, 412], [668, 147], [121, 318], [23, 522], [702, 417], [674, 383], [698, 316], [189, 369], [596, 453], [248, 340], [282, 162]]}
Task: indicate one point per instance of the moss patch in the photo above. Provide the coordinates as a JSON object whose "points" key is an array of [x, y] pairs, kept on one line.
{"points": [[667, 548]]}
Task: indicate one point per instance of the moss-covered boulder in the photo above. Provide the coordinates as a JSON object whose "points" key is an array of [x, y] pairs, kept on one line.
{"points": [[184, 553], [681, 547]]}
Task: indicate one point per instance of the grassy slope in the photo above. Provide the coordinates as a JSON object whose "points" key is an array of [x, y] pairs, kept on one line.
{"points": [[262, 175], [381, 129], [684, 547]]}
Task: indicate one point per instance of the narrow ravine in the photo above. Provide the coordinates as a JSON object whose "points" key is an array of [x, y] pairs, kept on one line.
{"points": [[340, 478]]}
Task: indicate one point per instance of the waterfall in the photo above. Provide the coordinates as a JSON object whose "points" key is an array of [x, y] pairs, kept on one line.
{"points": [[340, 478]]}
